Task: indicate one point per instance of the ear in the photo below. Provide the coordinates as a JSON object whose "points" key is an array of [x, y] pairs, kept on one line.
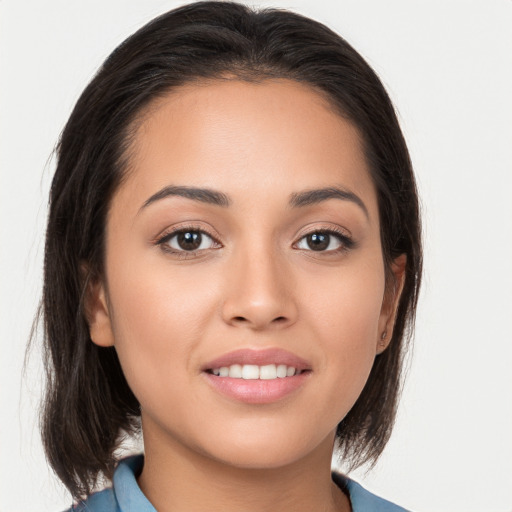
{"points": [[97, 313], [390, 303]]}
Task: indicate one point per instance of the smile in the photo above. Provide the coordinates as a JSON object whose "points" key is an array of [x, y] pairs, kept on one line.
{"points": [[257, 376], [254, 372]]}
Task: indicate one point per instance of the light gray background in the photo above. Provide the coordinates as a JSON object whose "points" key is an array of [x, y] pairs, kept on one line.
{"points": [[448, 68]]}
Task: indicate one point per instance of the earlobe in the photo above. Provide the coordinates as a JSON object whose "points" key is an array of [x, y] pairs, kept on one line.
{"points": [[97, 314], [390, 303]]}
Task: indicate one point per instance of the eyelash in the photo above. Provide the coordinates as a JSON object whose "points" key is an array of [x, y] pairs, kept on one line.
{"points": [[167, 237], [346, 242]]}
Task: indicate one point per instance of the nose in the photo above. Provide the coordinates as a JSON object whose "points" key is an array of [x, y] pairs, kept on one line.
{"points": [[259, 292]]}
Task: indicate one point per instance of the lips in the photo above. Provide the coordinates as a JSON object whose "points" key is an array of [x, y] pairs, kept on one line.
{"points": [[257, 376]]}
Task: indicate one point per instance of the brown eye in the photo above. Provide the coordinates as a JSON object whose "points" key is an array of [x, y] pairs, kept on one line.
{"points": [[318, 241], [188, 241], [325, 241]]}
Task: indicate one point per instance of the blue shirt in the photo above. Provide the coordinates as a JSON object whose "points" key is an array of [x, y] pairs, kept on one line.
{"points": [[126, 496]]}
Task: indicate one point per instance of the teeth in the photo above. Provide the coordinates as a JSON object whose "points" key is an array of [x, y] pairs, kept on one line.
{"points": [[282, 371], [254, 372], [268, 372], [235, 371], [250, 371]]}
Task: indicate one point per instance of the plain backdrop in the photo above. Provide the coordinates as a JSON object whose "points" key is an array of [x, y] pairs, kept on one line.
{"points": [[448, 67]]}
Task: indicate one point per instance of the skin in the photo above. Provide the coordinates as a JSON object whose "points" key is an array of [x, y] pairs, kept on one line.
{"points": [[257, 285]]}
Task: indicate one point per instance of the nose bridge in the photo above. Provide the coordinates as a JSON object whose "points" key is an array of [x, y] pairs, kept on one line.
{"points": [[260, 292]]}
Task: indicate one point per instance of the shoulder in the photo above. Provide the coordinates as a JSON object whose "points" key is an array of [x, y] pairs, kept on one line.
{"points": [[363, 500]]}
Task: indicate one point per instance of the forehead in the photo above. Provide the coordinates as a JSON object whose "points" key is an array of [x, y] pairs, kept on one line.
{"points": [[265, 137]]}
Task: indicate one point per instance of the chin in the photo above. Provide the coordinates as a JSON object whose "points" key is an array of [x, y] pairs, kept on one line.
{"points": [[256, 460], [276, 452]]}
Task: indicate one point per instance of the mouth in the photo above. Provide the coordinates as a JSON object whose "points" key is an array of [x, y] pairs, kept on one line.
{"points": [[257, 376], [255, 372]]}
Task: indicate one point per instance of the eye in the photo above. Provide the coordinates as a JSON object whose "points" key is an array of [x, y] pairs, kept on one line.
{"points": [[187, 240], [325, 241]]}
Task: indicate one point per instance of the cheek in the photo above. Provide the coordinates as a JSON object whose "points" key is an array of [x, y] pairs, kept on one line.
{"points": [[345, 313], [157, 320], [348, 304]]}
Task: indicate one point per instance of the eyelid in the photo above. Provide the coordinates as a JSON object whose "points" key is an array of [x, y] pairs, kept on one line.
{"points": [[324, 228], [343, 235], [163, 237]]}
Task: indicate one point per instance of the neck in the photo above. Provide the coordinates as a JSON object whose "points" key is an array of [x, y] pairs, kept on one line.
{"points": [[177, 479]]}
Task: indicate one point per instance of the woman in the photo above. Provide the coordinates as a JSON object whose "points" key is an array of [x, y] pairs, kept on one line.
{"points": [[233, 247]]}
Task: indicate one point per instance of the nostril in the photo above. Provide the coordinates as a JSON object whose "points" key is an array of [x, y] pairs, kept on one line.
{"points": [[278, 320]]}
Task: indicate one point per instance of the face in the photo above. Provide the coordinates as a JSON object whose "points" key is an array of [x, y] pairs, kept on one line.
{"points": [[244, 286]]}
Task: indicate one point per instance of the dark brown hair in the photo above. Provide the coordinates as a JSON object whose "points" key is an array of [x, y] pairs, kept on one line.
{"points": [[88, 403]]}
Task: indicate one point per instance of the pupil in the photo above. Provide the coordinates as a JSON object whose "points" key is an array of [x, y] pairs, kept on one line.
{"points": [[189, 240], [318, 241]]}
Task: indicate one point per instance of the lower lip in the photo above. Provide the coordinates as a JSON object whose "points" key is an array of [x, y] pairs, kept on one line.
{"points": [[257, 391]]}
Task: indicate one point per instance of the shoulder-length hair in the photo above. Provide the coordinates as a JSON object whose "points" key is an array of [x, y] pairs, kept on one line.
{"points": [[88, 403]]}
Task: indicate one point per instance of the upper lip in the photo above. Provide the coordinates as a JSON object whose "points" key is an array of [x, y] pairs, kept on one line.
{"points": [[260, 357]]}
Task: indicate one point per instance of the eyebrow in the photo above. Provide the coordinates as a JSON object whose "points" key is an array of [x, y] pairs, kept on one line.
{"points": [[204, 195], [318, 195], [297, 199]]}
